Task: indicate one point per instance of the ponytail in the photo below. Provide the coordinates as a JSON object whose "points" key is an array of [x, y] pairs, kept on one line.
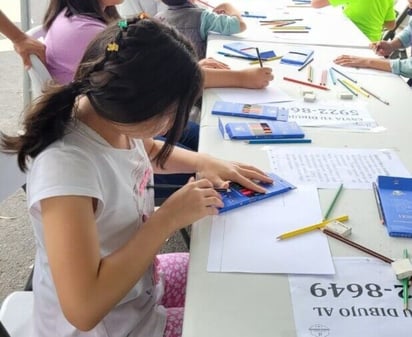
{"points": [[45, 121]]}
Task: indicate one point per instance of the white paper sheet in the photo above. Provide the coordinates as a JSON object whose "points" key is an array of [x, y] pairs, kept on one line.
{"points": [[244, 239], [269, 94], [361, 299], [329, 167]]}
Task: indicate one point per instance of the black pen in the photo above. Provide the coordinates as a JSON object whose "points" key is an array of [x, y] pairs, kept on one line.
{"points": [[378, 202], [259, 58], [176, 187]]}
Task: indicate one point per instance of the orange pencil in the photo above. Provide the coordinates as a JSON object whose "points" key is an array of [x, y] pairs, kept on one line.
{"points": [[306, 83]]}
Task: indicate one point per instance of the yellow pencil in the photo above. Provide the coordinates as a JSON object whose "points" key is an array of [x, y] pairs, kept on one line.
{"points": [[310, 228], [355, 87], [267, 59]]}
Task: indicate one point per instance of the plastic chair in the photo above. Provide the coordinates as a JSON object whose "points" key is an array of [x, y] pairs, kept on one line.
{"points": [[16, 310], [38, 73]]}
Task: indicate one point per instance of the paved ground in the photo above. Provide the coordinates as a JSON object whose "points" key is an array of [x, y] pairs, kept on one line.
{"points": [[16, 239]]}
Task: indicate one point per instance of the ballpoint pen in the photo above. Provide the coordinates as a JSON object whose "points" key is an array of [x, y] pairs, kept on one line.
{"points": [[405, 284], [378, 202], [310, 228]]}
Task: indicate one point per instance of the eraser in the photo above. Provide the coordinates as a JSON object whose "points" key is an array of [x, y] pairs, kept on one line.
{"points": [[402, 268], [307, 91], [309, 97], [339, 228], [345, 95]]}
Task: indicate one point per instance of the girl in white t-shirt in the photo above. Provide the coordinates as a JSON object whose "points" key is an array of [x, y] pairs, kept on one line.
{"points": [[90, 155]]}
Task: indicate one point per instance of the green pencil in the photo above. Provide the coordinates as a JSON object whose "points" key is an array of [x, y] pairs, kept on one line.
{"points": [[333, 203]]}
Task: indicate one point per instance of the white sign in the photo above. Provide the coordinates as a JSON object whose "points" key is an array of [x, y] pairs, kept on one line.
{"points": [[363, 298]]}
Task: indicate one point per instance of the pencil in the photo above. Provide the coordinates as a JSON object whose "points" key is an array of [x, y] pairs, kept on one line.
{"points": [[344, 75], [280, 141], [310, 74], [333, 203], [347, 87], [355, 88], [290, 27], [378, 202], [259, 58], [267, 60], [290, 31], [405, 284], [176, 187], [332, 76], [279, 20], [324, 77], [305, 64], [373, 95], [310, 228], [237, 56], [306, 83], [357, 246]]}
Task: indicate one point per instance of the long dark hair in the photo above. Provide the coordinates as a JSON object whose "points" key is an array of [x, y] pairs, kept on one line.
{"points": [[90, 8], [130, 72]]}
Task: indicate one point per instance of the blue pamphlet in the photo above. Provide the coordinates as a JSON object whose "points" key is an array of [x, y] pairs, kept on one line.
{"points": [[261, 130], [395, 194], [249, 50], [297, 56], [250, 110], [238, 195]]}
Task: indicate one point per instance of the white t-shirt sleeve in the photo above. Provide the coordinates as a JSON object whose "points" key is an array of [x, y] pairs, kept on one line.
{"points": [[56, 172]]}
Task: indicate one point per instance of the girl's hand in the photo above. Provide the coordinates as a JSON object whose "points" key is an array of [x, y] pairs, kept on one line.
{"points": [[256, 78], [220, 173], [192, 202], [212, 63]]}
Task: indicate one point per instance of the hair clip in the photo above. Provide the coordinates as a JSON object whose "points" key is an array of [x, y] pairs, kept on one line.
{"points": [[142, 16], [112, 47], [122, 24]]}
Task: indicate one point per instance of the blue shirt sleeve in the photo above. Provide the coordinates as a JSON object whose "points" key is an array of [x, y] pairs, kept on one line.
{"points": [[219, 23], [402, 67], [405, 35]]}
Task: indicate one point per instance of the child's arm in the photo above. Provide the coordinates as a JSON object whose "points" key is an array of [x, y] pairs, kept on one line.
{"points": [[215, 170], [89, 285], [363, 62], [229, 9], [252, 78], [23, 44]]}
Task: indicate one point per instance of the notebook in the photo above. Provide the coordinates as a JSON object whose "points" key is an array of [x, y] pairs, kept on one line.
{"points": [[250, 110], [297, 56], [395, 194], [249, 50], [261, 130], [238, 195]]}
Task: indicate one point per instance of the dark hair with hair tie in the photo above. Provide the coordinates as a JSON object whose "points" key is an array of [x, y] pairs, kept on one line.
{"points": [[152, 71]]}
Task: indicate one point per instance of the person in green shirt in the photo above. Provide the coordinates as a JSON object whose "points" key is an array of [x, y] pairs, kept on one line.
{"points": [[370, 16]]}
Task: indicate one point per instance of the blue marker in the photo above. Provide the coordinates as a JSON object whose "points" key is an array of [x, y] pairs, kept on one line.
{"points": [[247, 14], [332, 76]]}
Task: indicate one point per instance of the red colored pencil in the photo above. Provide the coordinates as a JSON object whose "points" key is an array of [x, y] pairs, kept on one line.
{"points": [[306, 83]]}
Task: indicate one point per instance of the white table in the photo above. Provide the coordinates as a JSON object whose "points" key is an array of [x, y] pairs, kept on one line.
{"points": [[244, 305]]}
